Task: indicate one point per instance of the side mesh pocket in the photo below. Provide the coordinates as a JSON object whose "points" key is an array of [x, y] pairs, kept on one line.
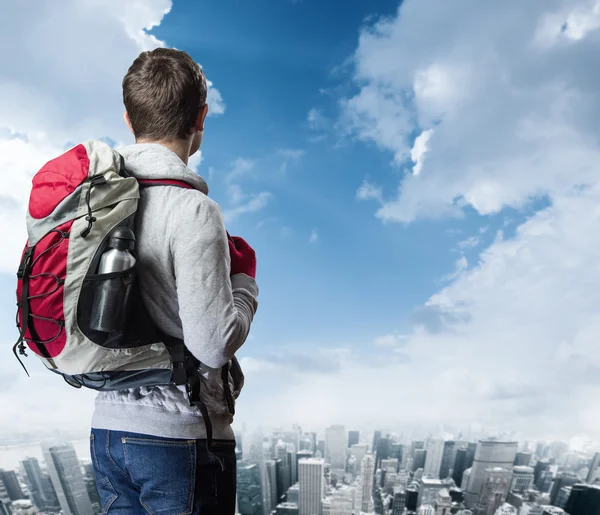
{"points": [[105, 304]]}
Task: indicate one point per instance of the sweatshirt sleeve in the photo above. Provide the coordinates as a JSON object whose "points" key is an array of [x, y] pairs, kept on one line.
{"points": [[216, 310]]}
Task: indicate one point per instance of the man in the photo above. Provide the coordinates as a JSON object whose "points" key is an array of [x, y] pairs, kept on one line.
{"points": [[149, 446]]}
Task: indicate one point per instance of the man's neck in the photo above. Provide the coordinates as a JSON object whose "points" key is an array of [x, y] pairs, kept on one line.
{"points": [[180, 147]]}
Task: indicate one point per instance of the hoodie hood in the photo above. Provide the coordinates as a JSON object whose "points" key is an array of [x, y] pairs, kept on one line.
{"points": [[155, 161]]}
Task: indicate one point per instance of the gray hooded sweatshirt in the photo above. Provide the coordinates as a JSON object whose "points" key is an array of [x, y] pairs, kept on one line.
{"points": [[184, 277]]}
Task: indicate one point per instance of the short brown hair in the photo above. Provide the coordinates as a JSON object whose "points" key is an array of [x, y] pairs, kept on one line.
{"points": [[163, 92]]}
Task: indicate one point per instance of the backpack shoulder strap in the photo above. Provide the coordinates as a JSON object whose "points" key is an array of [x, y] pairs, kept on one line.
{"points": [[165, 182]]}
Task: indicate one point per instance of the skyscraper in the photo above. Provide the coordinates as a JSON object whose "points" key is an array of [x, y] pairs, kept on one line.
{"points": [[433, 460], [522, 459], [490, 454], [561, 481], [447, 463], [11, 483], [419, 459], [34, 478], [67, 479], [376, 438], [271, 467], [353, 438], [249, 492], [522, 479], [311, 475], [293, 466], [593, 468], [382, 452], [367, 470], [359, 451], [459, 465], [496, 483], [540, 467], [335, 447], [584, 500]]}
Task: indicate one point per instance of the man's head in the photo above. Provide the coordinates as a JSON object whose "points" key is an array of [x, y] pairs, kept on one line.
{"points": [[164, 92]]}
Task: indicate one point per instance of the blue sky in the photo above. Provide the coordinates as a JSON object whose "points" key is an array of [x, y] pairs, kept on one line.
{"points": [[419, 180]]}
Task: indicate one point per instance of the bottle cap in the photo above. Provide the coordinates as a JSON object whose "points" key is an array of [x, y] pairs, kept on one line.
{"points": [[122, 238]]}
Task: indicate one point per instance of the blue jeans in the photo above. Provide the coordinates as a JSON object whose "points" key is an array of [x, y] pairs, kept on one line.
{"points": [[141, 474]]}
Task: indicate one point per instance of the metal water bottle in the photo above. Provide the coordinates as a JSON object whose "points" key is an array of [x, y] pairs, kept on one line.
{"points": [[112, 293]]}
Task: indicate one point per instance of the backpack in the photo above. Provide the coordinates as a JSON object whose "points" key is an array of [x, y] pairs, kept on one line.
{"points": [[77, 200]]}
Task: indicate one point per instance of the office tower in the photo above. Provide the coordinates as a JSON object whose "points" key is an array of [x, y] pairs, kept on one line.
{"points": [[398, 501], [414, 445], [335, 447], [4, 499], [540, 467], [311, 475], [293, 494], [459, 465], [443, 502], [496, 484], [433, 460], [412, 497], [376, 438], [11, 483], [286, 437], [353, 438], [34, 478], [383, 451], [293, 466], [249, 491], [561, 481], [563, 496], [428, 490], [271, 468], [465, 481], [593, 468], [302, 455], [366, 473], [359, 451], [52, 503], [447, 461], [67, 479], [426, 510], [320, 449], [584, 500], [397, 451], [522, 479], [522, 459], [343, 501], [419, 459], [490, 454]]}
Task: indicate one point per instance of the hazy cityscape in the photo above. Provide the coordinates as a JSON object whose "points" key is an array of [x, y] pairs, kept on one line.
{"points": [[343, 472]]}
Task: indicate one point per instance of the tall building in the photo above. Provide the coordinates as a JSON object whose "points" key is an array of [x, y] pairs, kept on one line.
{"points": [[584, 500], [433, 460], [359, 451], [67, 479], [460, 465], [293, 466], [311, 475], [561, 481], [249, 492], [399, 501], [593, 468], [447, 462], [34, 480], [490, 454], [412, 497], [522, 479], [383, 451], [11, 483], [540, 467], [397, 452], [4, 500], [522, 459], [376, 438], [563, 497], [419, 459], [343, 501], [353, 438], [443, 503], [271, 467], [428, 490], [496, 484], [367, 476], [335, 447]]}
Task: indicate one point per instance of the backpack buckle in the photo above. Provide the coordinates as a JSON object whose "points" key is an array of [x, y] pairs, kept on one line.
{"points": [[25, 262]]}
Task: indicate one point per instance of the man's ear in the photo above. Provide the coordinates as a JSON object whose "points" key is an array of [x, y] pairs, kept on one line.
{"points": [[128, 122], [199, 125]]}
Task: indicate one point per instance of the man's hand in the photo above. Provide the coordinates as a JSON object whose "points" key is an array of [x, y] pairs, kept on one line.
{"points": [[243, 257]]}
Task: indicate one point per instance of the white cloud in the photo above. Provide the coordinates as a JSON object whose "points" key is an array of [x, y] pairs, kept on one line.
{"points": [[368, 191], [255, 204], [216, 104], [289, 157], [241, 167], [314, 236], [513, 119], [317, 120], [420, 148]]}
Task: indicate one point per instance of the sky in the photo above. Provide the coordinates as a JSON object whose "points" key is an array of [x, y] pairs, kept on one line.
{"points": [[420, 181]]}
